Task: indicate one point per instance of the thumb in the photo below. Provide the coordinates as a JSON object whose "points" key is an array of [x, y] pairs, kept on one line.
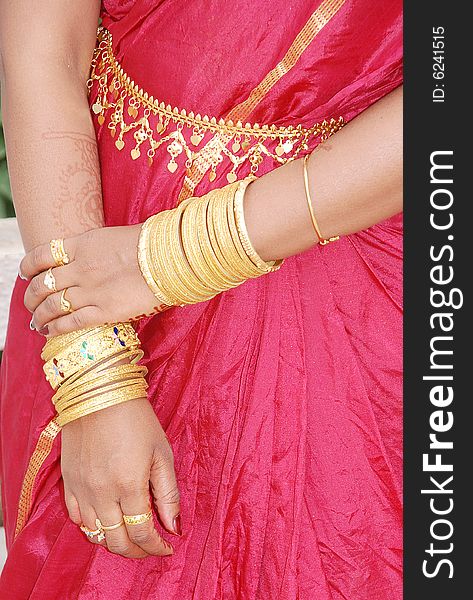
{"points": [[166, 493]]}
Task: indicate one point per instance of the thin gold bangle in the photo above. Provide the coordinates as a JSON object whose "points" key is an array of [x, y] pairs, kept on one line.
{"points": [[261, 265], [321, 240], [153, 284], [100, 403]]}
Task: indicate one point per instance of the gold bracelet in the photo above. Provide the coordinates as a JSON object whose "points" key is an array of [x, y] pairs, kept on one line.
{"points": [[72, 399], [262, 266], [322, 241], [250, 267], [100, 403], [96, 378], [58, 343], [193, 249], [185, 272], [86, 350], [215, 225], [68, 403], [176, 269], [227, 237], [153, 284], [158, 254], [209, 258]]}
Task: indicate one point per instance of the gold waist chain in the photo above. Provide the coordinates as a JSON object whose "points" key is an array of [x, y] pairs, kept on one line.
{"points": [[145, 125]]}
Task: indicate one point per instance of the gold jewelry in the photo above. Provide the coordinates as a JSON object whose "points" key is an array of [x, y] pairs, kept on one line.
{"points": [[262, 266], [91, 533], [66, 306], [60, 256], [79, 396], [322, 241], [112, 527], [142, 123], [101, 402], [144, 263], [85, 350], [49, 280], [138, 519]]}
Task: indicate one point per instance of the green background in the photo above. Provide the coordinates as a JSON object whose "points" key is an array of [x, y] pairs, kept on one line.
{"points": [[6, 206]]}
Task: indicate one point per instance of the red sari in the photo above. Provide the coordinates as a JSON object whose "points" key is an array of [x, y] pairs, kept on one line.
{"points": [[281, 398]]}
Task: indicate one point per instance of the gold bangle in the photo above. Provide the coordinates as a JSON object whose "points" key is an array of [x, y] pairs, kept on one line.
{"points": [[158, 253], [58, 343], [227, 237], [208, 257], [152, 283], [93, 380], [249, 266], [89, 349], [87, 392], [193, 249], [175, 273], [321, 240], [184, 270], [132, 356], [261, 265], [217, 230], [100, 403]]}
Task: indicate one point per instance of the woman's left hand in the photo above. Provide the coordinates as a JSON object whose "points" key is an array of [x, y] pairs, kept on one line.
{"points": [[103, 282]]}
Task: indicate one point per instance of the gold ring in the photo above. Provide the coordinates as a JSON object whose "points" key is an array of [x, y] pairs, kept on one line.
{"points": [[49, 280], [60, 256], [112, 527], [66, 306], [138, 519], [91, 533]]}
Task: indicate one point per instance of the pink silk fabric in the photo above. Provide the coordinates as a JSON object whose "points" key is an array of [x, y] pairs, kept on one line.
{"points": [[281, 398]]}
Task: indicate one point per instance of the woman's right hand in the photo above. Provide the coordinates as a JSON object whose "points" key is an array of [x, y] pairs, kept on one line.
{"points": [[110, 461]]}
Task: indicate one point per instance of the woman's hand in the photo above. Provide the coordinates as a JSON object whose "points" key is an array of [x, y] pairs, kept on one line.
{"points": [[103, 280], [110, 459]]}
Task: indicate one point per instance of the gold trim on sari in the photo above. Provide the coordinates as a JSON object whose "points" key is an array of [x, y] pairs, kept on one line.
{"points": [[317, 21]]}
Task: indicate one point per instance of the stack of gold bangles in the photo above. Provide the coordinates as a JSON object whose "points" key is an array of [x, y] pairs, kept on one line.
{"points": [[193, 252], [92, 369]]}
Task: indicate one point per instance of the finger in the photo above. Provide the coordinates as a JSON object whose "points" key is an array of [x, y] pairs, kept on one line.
{"points": [[40, 259], [118, 540], [50, 309], [144, 534], [166, 493], [89, 516], [72, 507], [88, 316], [37, 291]]}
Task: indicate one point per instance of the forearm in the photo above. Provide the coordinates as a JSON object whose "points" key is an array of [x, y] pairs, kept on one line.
{"points": [[355, 181], [51, 146]]}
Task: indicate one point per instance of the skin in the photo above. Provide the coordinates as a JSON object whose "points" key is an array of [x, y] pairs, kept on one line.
{"points": [[55, 179], [355, 181]]}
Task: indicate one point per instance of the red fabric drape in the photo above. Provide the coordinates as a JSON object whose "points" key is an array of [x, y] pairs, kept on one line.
{"points": [[281, 398]]}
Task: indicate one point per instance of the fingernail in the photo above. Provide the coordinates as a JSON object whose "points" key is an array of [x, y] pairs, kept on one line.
{"points": [[44, 330], [177, 525], [32, 327], [21, 276]]}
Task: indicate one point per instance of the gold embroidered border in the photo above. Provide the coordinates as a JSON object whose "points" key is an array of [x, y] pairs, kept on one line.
{"points": [[317, 21], [41, 452]]}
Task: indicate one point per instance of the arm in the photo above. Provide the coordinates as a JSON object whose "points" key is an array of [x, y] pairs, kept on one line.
{"points": [[55, 180], [355, 180]]}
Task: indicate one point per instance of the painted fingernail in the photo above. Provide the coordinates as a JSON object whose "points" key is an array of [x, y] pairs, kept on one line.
{"points": [[21, 276], [44, 330], [177, 525], [32, 327]]}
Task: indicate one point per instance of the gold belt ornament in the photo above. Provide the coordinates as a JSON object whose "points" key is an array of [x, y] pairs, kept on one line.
{"points": [[134, 116]]}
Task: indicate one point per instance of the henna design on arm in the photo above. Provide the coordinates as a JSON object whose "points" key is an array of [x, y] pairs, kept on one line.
{"points": [[77, 205]]}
